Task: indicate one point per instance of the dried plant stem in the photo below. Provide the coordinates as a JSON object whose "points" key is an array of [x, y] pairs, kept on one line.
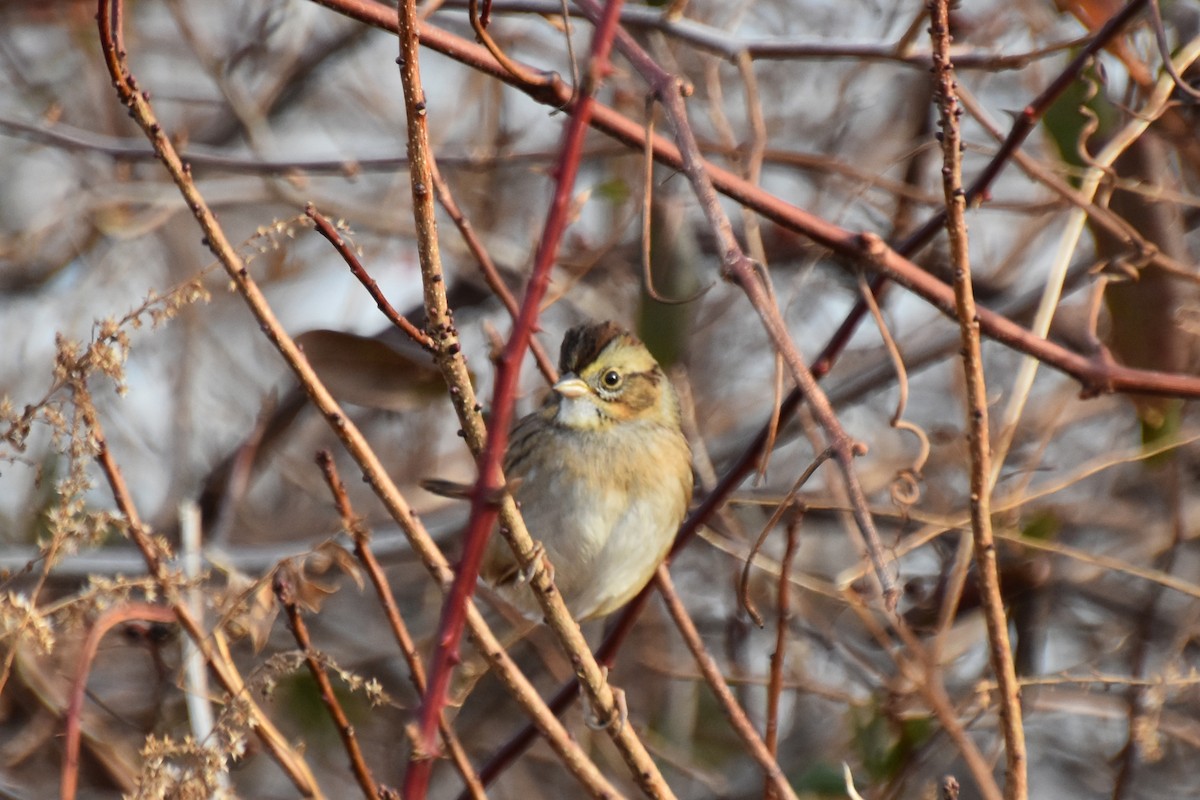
{"points": [[712, 675], [374, 474], [49, 561], [987, 574], [358, 765], [221, 665]]}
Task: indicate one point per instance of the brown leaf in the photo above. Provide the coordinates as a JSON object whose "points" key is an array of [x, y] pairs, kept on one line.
{"points": [[250, 608], [330, 554]]}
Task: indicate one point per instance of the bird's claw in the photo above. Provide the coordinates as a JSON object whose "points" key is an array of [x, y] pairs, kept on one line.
{"points": [[537, 560]]}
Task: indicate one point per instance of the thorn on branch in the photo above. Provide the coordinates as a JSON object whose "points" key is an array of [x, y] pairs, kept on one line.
{"points": [[872, 244]]}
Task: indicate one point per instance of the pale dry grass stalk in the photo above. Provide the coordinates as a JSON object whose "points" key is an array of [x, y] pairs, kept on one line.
{"points": [[281, 584]]}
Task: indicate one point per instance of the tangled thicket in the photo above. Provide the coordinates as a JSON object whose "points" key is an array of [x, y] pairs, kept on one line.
{"points": [[190, 598]]}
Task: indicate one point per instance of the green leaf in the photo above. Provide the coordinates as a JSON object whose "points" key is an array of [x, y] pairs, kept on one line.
{"points": [[614, 190]]}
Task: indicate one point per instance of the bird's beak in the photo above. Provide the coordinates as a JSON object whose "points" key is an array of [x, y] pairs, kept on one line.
{"points": [[571, 386]]}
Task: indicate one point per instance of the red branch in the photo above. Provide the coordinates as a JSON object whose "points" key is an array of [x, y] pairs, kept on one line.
{"points": [[103, 624], [483, 509]]}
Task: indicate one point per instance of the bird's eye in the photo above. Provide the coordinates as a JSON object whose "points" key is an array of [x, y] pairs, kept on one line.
{"points": [[611, 379]]}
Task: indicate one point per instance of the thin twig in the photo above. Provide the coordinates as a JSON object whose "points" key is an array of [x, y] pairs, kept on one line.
{"points": [[712, 674], [647, 209], [327, 229], [978, 436], [911, 474], [479, 25], [755, 150], [1084, 210], [781, 508], [1164, 51], [783, 616], [285, 592], [353, 525]]}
